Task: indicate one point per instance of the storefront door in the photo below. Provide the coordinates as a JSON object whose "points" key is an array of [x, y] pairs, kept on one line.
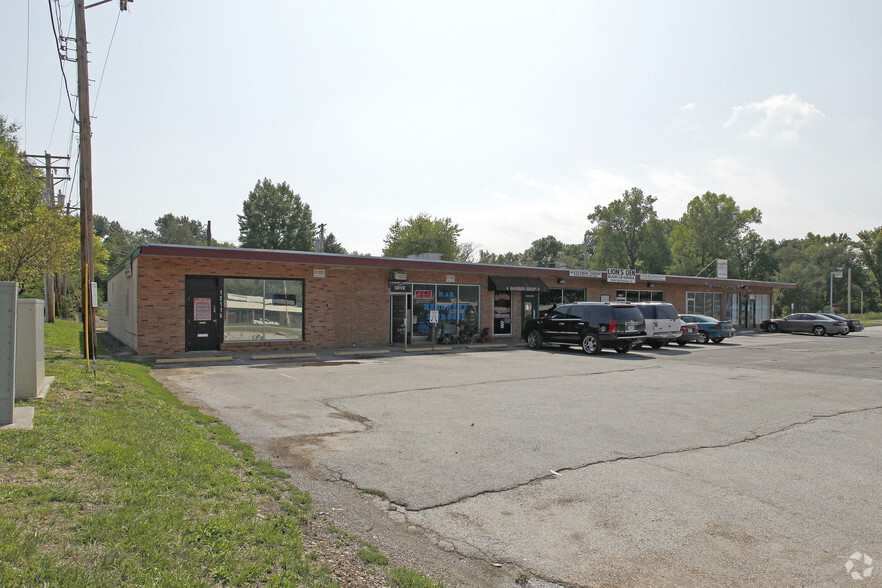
{"points": [[401, 306], [529, 307], [203, 313]]}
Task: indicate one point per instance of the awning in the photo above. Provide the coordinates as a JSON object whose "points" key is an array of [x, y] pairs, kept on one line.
{"points": [[517, 284]]}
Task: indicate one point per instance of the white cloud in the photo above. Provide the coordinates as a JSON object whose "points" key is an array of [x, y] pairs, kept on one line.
{"points": [[780, 117], [688, 107]]}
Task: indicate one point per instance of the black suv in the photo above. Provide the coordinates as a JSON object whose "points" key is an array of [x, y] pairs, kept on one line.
{"points": [[593, 325]]}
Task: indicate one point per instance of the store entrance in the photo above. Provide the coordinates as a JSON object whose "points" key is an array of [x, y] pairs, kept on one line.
{"points": [[401, 307], [529, 307], [203, 326]]}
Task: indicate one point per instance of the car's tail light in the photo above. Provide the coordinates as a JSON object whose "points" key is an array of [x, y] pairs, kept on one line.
{"points": [[612, 325], [718, 326]]}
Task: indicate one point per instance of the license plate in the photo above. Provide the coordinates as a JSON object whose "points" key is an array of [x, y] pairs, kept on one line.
{"points": [[630, 327]]}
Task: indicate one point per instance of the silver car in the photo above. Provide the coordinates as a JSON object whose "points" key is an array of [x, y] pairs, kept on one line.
{"points": [[806, 322]]}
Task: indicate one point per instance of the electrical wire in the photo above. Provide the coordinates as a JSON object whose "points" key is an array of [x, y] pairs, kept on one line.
{"points": [[27, 75], [106, 59], [60, 60]]}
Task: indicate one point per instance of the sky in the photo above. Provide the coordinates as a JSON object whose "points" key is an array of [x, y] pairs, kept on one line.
{"points": [[514, 119]]}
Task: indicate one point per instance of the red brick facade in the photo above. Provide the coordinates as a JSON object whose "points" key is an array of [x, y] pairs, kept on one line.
{"points": [[350, 305]]}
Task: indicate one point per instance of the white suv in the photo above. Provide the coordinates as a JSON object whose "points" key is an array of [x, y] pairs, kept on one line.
{"points": [[662, 322]]}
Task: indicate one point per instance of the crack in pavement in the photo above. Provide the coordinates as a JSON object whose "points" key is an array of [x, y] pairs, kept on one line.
{"points": [[494, 381], [750, 438]]}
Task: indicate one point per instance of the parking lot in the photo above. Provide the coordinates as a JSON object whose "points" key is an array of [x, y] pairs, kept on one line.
{"points": [[751, 462]]}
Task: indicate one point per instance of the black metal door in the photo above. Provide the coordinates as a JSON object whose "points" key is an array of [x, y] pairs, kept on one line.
{"points": [[204, 316]]}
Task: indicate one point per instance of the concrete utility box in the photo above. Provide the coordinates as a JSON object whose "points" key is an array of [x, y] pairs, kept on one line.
{"points": [[8, 299], [30, 377]]}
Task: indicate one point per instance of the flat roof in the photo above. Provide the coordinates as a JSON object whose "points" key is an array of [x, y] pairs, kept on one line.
{"points": [[397, 263]]}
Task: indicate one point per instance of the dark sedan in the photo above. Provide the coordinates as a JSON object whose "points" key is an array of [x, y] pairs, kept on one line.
{"points": [[854, 325], [806, 322]]}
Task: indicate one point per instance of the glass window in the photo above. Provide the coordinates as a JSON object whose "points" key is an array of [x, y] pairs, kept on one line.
{"points": [[423, 302], [549, 298], [262, 310], [573, 295], [706, 303], [640, 295]]}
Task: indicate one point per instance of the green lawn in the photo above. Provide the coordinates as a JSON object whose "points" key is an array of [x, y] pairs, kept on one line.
{"points": [[120, 484]]}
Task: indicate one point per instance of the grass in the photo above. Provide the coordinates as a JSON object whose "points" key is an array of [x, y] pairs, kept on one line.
{"points": [[869, 319], [120, 484]]}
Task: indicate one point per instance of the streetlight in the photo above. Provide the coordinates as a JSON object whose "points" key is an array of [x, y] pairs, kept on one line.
{"points": [[834, 274]]}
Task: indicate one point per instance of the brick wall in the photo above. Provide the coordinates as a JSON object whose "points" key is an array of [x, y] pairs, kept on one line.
{"points": [[350, 305]]}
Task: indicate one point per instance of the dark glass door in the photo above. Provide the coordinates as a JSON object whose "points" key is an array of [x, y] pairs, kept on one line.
{"points": [[203, 313]]}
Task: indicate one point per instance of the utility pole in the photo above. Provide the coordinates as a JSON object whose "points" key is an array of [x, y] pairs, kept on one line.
{"points": [[320, 239], [208, 235], [86, 229], [87, 266], [49, 197]]}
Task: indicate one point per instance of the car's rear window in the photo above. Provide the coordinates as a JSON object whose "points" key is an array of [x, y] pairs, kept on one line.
{"points": [[666, 311], [627, 313]]}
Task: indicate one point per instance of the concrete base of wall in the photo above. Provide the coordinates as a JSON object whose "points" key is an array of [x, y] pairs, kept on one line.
{"points": [[22, 419]]}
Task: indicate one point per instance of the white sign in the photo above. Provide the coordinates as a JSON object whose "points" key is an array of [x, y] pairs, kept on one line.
{"points": [[586, 274], [318, 273], [94, 290], [450, 278], [621, 276], [653, 277], [723, 268], [433, 317]]}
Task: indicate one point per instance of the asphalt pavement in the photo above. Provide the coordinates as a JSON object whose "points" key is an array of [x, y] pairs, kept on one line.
{"points": [[755, 461]]}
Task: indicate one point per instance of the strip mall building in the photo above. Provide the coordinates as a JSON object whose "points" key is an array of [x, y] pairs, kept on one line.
{"points": [[169, 299]]}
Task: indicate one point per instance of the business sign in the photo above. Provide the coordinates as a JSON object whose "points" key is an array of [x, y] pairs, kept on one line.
{"points": [[723, 268], [621, 276], [433, 316], [653, 277], [423, 294], [399, 287], [586, 274]]}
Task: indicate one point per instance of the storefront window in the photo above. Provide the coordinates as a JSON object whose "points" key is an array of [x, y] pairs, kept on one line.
{"points": [[556, 296], [457, 306], [262, 310], [640, 295], [706, 303]]}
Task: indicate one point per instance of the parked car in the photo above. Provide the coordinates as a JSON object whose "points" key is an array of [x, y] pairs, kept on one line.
{"points": [[710, 328], [854, 325], [662, 322], [592, 325], [806, 322], [689, 333]]}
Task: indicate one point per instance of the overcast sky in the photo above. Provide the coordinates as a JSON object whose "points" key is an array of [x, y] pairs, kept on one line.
{"points": [[514, 119]]}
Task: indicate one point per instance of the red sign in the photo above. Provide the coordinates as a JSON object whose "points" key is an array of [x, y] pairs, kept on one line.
{"points": [[423, 294], [202, 309]]}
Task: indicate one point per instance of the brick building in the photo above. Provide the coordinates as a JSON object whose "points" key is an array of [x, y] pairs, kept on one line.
{"points": [[167, 299]]}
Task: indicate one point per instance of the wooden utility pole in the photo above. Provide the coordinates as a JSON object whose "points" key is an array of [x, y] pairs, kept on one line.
{"points": [[86, 229]]}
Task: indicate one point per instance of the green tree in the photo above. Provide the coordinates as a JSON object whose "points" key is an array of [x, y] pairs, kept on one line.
{"points": [[870, 246], [756, 257], [543, 252], [629, 234], [711, 228], [489, 257], [332, 245], [21, 187], [423, 234], [274, 217], [808, 263], [180, 230]]}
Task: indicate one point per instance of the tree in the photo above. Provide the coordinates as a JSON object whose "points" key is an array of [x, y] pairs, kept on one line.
{"points": [[332, 245], [274, 217], [870, 247], [33, 239], [756, 257], [711, 228], [180, 230], [628, 234], [489, 257], [423, 234], [543, 252]]}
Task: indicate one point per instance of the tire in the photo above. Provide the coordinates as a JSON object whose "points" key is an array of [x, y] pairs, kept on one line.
{"points": [[534, 339], [590, 344], [717, 340], [845, 333], [623, 348], [819, 331], [681, 343], [656, 344], [772, 328], [703, 337]]}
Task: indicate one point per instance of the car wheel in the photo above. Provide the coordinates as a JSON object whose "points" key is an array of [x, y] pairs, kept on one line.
{"points": [[590, 344], [703, 338], [819, 330], [772, 328], [623, 348], [534, 339], [656, 344], [681, 343], [845, 333], [717, 340]]}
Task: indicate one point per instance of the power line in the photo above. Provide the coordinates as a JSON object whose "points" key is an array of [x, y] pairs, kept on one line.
{"points": [[27, 74], [106, 59], [60, 59]]}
